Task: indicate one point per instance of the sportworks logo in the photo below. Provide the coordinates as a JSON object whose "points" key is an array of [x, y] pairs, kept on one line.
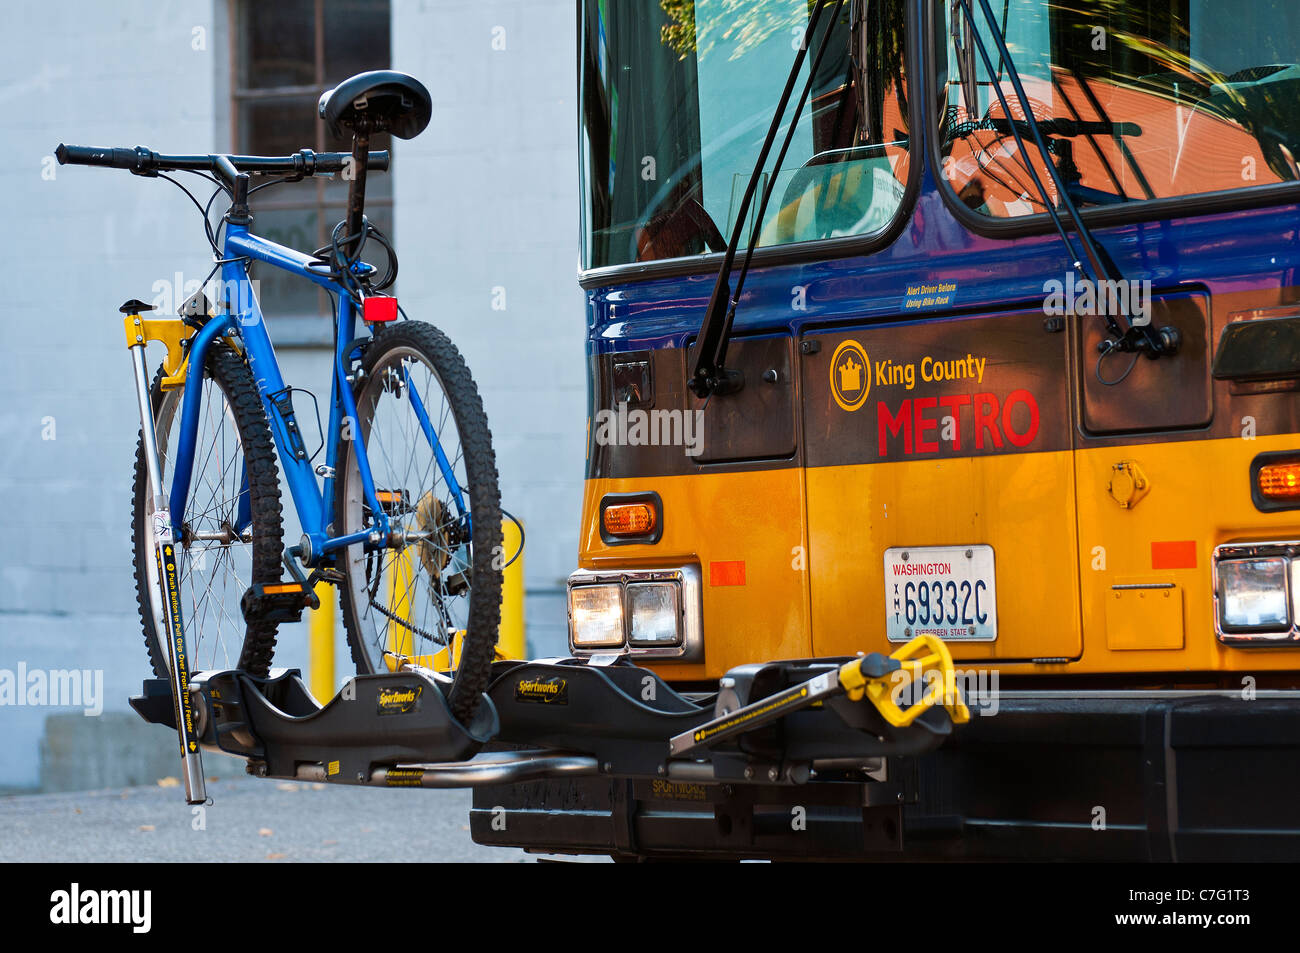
{"points": [[399, 701], [102, 907], [549, 691], [537, 687]]}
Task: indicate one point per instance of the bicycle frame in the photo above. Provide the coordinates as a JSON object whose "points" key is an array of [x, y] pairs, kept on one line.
{"points": [[243, 319]]}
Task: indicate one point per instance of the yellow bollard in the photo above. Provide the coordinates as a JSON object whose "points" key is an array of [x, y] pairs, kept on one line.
{"points": [[400, 642], [510, 637], [320, 645]]}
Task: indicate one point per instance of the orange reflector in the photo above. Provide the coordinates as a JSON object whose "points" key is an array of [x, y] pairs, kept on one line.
{"points": [[728, 573], [629, 519], [1280, 481], [388, 496], [282, 587], [1174, 554]]}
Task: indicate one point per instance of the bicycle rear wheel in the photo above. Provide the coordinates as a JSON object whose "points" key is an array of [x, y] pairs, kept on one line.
{"points": [[231, 531], [437, 582]]}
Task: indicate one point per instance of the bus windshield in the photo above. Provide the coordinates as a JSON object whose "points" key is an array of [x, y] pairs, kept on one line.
{"points": [[1138, 101], [677, 96]]}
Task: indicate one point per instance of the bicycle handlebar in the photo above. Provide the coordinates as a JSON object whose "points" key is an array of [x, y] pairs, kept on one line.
{"points": [[142, 161]]}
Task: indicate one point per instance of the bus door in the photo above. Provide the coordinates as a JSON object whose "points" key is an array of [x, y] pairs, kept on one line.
{"points": [[940, 485]]}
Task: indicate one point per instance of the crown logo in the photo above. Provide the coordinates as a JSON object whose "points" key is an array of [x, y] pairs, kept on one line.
{"points": [[850, 375]]}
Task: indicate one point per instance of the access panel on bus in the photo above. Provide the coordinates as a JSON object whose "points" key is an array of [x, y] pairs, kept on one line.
{"points": [[940, 485]]}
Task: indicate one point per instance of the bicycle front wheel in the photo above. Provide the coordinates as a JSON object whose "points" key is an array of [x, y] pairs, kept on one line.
{"points": [[435, 583], [231, 532]]}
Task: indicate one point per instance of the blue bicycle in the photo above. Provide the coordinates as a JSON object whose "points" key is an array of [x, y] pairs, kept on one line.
{"points": [[403, 515]]}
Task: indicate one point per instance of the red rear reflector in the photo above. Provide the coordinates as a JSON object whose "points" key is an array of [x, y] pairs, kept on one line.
{"points": [[727, 573], [1174, 554], [380, 309], [1280, 481]]}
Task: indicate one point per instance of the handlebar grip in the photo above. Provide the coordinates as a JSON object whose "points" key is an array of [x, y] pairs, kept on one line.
{"points": [[137, 160], [376, 161]]}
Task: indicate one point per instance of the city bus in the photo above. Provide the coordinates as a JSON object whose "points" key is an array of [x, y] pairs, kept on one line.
{"points": [[1015, 364]]}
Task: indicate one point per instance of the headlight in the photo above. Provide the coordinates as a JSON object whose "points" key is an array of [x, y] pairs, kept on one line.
{"points": [[654, 614], [1253, 594], [596, 616], [647, 613], [1257, 592]]}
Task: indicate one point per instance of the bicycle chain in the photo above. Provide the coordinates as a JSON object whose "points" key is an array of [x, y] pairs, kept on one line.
{"points": [[407, 625], [384, 611]]}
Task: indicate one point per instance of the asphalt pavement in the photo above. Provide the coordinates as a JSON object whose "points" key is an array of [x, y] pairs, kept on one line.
{"points": [[249, 820]]}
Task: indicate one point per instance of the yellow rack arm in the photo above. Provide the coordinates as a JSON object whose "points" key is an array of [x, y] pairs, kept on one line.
{"points": [[171, 332], [924, 654], [871, 675]]}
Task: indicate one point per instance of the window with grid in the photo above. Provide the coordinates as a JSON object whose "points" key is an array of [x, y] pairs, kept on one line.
{"points": [[285, 55]]}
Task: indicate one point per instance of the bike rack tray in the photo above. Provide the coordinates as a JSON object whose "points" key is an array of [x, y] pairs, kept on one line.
{"points": [[374, 722], [623, 716], [769, 723]]}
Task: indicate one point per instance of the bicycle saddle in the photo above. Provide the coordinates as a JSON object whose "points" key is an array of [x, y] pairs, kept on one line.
{"points": [[388, 101]]}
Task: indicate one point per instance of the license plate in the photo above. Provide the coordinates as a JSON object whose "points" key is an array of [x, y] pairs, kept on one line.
{"points": [[946, 591]]}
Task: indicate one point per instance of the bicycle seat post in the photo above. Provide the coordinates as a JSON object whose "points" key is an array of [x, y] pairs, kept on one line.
{"points": [[357, 186]]}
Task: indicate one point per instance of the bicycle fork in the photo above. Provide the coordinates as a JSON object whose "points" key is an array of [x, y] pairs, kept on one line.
{"points": [[164, 591]]}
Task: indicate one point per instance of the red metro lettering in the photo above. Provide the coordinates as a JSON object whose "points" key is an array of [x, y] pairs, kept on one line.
{"points": [[930, 424]]}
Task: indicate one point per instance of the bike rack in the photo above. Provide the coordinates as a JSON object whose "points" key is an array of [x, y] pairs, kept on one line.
{"points": [[163, 576], [774, 723]]}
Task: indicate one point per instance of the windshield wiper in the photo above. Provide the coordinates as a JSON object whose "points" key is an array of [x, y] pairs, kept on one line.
{"points": [[709, 373], [1135, 337]]}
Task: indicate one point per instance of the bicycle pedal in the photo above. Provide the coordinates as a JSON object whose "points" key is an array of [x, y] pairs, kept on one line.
{"points": [[394, 502], [276, 602]]}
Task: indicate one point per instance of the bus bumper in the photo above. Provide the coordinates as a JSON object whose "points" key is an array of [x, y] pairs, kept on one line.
{"points": [[1156, 776]]}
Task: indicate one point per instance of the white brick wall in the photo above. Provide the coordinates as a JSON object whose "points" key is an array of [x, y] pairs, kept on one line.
{"points": [[486, 197], [75, 247]]}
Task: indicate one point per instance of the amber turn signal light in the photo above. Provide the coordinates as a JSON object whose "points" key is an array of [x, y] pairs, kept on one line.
{"points": [[629, 519], [1280, 481]]}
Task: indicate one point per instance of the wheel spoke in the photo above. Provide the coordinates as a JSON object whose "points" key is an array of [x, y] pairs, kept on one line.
{"points": [[214, 574], [401, 458]]}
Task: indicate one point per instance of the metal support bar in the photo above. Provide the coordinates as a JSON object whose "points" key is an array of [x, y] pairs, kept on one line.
{"points": [[164, 592], [497, 767]]}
